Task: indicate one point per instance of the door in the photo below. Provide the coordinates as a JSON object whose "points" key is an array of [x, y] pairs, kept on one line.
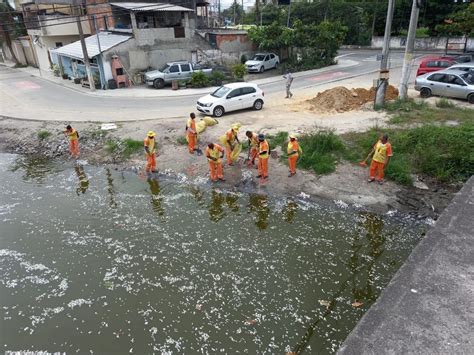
{"points": [[233, 100], [173, 73], [437, 84], [185, 72], [249, 95], [455, 87], [267, 63]]}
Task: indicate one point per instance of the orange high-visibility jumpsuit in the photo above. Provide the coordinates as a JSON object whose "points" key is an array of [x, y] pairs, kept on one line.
{"points": [[253, 148], [231, 136], [377, 166], [150, 155], [263, 155], [73, 142], [215, 162], [293, 151], [192, 135]]}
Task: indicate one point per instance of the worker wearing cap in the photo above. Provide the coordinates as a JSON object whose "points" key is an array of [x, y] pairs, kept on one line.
{"points": [[73, 137], [253, 146], [150, 152], [293, 151], [231, 138], [214, 154], [191, 133], [382, 153], [263, 155]]}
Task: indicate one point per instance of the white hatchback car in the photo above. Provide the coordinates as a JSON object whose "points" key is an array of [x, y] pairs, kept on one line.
{"points": [[231, 97]]}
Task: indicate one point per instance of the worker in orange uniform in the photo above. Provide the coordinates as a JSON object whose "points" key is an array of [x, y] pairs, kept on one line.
{"points": [[382, 152], [253, 147], [263, 155], [214, 154], [293, 150], [191, 133], [73, 137], [150, 152], [231, 138]]}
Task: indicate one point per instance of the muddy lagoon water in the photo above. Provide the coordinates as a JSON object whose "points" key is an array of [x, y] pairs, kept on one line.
{"points": [[98, 261]]}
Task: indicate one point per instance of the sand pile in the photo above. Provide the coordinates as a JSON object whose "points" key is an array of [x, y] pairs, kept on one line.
{"points": [[341, 99]]}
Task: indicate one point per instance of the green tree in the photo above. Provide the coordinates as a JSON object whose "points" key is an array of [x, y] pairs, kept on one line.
{"points": [[459, 23], [234, 12], [10, 27]]}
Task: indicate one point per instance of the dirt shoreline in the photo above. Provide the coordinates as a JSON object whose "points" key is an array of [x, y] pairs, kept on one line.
{"points": [[347, 185]]}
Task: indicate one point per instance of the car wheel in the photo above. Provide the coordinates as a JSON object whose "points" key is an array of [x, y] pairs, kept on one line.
{"points": [[470, 98], [158, 83], [258, 105], [425, 93], [262, 69], [219, 111]]}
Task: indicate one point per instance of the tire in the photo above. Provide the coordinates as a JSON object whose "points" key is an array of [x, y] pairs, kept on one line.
{"points": [[425, 93], [470, 98], [262, 69], [218, 111], [158, 83], [258, 105]]}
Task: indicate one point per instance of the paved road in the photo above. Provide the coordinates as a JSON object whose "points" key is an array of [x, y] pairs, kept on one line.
{"points": [[23, 95]]}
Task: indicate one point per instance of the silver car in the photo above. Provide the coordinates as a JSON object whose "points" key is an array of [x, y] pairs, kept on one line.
{"points": [[450, 83]]}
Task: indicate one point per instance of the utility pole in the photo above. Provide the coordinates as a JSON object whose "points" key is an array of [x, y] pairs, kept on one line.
{"points": [[84, 52], [289, 13], [101, 64], [415, 12], [383, 76]]}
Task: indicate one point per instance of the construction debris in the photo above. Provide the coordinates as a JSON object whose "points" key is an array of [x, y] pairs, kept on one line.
{"points": [[341, 99]]}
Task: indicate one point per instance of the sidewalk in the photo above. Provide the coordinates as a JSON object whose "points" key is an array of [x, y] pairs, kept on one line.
{"points": [[143, 91]]}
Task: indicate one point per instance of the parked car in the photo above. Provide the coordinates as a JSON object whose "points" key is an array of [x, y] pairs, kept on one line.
{"points": [[231, 97], [462, 66], [449, 83], [173, 71], [262, 61], [462, 58], [432, 64]]}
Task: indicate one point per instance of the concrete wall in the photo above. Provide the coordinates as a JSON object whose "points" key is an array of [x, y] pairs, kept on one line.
{"points": [[423, 43], [45, 43], [156, 36], [22, 50]]}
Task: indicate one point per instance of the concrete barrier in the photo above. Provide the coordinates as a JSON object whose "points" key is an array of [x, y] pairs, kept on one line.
{"points": [[428, 307]]}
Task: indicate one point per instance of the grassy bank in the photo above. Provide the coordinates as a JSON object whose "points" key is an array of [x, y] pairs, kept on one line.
{"points": [[426, 146]]}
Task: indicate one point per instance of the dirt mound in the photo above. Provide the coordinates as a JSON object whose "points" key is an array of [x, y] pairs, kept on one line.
{"points": [[341, 99]]}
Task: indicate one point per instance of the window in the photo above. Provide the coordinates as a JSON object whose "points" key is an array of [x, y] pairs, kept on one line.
{"points": [[272, 56], [174, 69], [437, 77], [185, 67], [444, 64], [432, 64], [267, 58], [234, 93], [248, 90], [58, 44], [119, 71]]}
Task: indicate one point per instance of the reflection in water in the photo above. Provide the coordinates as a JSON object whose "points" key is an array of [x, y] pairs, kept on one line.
{"points": [[232, 201], [216, 209], [372, 225], [36, 168], [110, 188], [83, 180], [198, 195], [289, 211], [259, 205], [156, 198]]}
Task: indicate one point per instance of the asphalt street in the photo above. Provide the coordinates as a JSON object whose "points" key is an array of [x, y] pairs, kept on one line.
{"points": [[21, 92]]}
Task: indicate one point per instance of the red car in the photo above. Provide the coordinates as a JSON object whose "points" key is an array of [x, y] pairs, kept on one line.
{"points": [[431, 64]]}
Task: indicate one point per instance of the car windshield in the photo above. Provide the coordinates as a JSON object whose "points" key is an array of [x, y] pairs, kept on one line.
{"points": [[259, 57], [164, 67], [220, 92], [468, 77]]}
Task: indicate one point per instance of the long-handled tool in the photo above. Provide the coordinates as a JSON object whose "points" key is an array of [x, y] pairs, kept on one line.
{"points": [[363, 163]]}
